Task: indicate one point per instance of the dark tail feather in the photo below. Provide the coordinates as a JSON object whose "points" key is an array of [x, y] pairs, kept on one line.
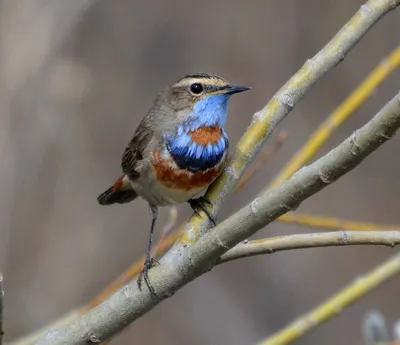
{"points": [[119, 193]]}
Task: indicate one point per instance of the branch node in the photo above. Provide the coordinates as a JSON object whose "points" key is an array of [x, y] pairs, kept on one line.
{"points": [[365, 9], [324, 177], [93, 338], [343, 239], [354, 146], [286, 100], [258, 116], [232, 172]]}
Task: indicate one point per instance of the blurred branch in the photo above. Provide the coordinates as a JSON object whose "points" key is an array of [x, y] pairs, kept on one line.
{"points": [[268, 152], [264, 123], [337, 303], [1, 309], [299, 241], [179, 268], [168, 237], [131, 272], [330, 223], [396, 331], [266, 120], [48, 23], [339, 115]]}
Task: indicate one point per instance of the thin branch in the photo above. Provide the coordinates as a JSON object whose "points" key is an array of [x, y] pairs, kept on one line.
{"points": [[1, 309], [266, 120], [309, 149], [179, 268], [337, 303], [339, 115], [265, 155], [299, 241], [331, 223]]}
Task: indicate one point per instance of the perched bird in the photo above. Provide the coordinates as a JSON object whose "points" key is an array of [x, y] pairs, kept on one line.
{"points": [[179, 148]]}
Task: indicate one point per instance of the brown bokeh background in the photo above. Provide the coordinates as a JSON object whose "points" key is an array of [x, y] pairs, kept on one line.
{"points": [[77, 76]]}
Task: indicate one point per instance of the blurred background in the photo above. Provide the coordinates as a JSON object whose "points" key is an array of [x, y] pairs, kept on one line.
{"points": [[77, 76]]}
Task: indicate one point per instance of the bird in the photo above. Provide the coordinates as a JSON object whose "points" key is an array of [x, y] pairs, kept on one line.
{"points": [[179, 148]]}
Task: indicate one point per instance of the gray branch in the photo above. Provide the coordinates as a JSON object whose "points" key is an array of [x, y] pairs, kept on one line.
{"points": [[1, 308], [184, 265], [266, 120], [300, 241]]}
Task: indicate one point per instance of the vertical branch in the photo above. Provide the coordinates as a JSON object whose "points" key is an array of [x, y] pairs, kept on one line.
{"points": [[1, 308]]}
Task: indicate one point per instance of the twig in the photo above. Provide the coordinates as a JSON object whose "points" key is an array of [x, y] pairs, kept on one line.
{"points": [[396, 331], [298, 241], [1, 309], [262, 158], [330, 223], [266, 120], [339, 115], [179, 268], [337, 303]]}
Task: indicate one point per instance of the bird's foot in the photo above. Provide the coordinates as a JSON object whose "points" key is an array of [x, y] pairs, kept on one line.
{"points": [[200, 204], [148, 263]]}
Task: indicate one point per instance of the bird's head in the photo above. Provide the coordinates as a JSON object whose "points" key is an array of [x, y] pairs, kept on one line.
{"points": [[202, 99]]}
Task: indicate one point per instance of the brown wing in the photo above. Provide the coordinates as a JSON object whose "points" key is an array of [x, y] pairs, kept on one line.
{"points": [[134, 151]]}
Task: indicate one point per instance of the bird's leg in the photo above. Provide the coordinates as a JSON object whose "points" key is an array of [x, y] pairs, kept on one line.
{"points": [[200, 203], [149, 262]]}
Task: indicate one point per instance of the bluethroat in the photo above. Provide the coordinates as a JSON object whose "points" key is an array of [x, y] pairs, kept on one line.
{"points": [[179, 148]]}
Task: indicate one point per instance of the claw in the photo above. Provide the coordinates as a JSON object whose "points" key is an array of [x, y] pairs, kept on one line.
{"points": [[200, 203], [149, 263]]}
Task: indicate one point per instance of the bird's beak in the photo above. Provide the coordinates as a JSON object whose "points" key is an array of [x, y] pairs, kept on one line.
{"points": [[231, 89]]}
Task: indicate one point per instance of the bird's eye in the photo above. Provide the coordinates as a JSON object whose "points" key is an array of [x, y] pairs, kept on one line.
{"points": [[196, 88]]}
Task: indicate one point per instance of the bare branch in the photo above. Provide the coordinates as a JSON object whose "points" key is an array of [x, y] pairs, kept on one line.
{"points": [[337, 303], [180, 267], [331, 223], [342, 112], [299, 241], [1, 309], [266, 120]]}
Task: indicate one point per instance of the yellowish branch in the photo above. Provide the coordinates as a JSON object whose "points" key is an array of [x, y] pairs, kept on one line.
{"points": [[331, 223], [339, 115], [266, 120], [337, 303]]}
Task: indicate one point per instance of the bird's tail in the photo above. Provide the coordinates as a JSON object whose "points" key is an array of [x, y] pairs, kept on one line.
{"points": [[121, 192]]}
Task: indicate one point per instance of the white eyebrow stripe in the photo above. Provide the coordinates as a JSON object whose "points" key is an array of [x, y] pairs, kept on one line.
{"points": [[205, 81]]}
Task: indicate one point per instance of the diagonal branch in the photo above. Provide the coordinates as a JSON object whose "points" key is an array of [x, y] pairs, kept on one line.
{"points": [[342, 112], [337, 303], [180, 267], [300, 241], [266, 120]]}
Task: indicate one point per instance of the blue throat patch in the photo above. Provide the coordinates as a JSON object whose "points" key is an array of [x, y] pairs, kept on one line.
{"points": [[209, 111], [192, 156]]}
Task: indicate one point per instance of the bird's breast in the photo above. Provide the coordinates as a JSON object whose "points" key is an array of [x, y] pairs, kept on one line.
{"points": [[197, 149], [172, 176]]}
